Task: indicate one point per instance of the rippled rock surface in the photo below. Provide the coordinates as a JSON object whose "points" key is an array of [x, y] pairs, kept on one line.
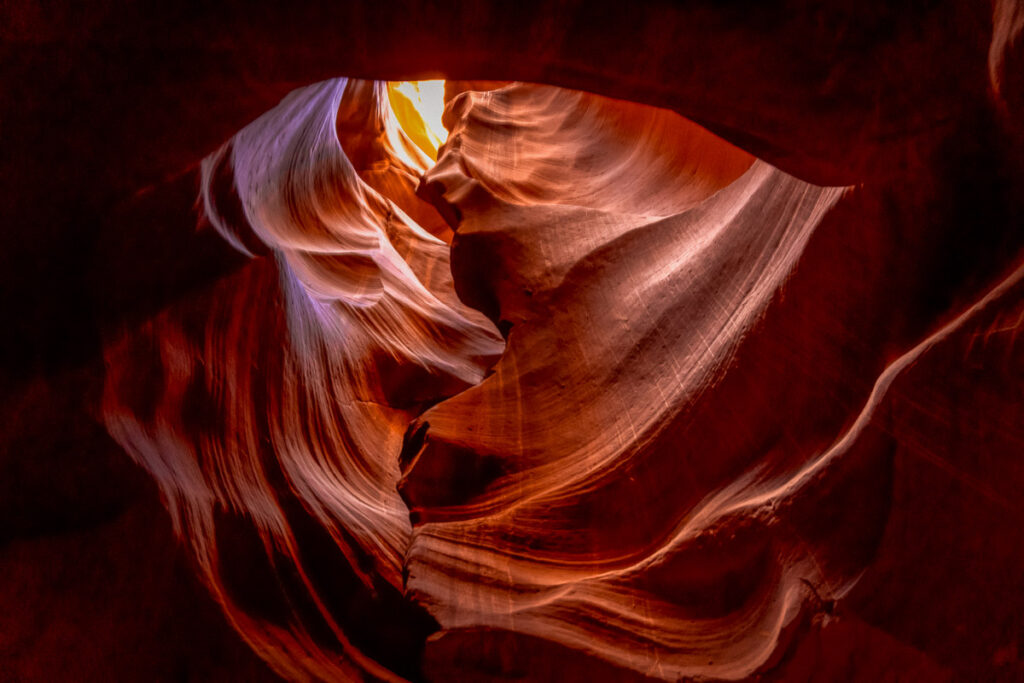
{"points": [[683, 460], [596, 390]]}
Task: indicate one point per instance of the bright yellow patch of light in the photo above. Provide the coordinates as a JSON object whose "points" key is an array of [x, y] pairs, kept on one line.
{"points": [[418, 106]]}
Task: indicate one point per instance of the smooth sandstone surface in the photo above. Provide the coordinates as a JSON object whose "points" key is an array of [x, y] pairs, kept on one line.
{"points": [[678, 462], [596, 394]]}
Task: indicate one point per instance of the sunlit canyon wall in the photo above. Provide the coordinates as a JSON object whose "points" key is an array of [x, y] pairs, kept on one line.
{"points": [[692, 352]]}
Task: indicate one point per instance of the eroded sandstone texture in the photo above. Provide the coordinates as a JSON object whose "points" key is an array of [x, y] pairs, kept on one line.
{"points": [[720, 381]]}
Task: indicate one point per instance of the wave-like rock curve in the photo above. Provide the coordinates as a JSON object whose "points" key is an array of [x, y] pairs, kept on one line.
{"points": [[679, 457]]}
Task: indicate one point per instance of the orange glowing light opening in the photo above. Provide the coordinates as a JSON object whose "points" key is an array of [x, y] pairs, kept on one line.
{"points": [[418, 106]]}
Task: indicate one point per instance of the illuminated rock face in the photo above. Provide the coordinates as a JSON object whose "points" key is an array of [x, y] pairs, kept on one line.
{"points": [[285, 390], [679, 463], [630, 276], [595, 396]]}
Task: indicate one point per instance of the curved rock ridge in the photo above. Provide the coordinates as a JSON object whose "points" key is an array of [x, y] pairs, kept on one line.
{"points": [[632, 251], [285, 390], [687, 456], [596, 395]]}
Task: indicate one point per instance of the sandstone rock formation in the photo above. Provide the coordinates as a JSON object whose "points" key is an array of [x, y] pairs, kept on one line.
{"points": [[720, 383]]}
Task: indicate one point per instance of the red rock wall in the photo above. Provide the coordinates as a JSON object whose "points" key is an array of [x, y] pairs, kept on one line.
{"points": [[758, 412]]}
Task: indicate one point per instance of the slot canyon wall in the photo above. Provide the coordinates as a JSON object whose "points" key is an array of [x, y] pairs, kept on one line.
{"points": [[691, 354]]}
